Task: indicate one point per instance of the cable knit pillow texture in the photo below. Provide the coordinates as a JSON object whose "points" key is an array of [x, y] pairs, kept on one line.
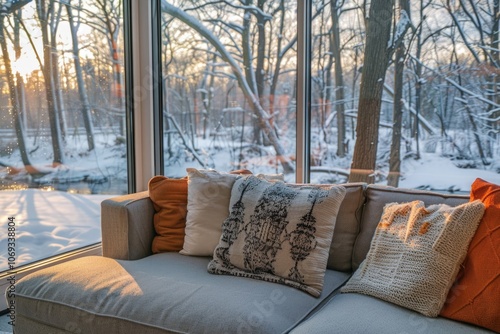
{"points": [[279, 233], [209, 192], [169, 197], [475, 296], [416, 253]]}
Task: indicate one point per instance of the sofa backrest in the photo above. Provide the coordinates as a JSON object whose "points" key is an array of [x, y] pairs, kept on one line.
{"points": [[346, 227], [377, 197]]}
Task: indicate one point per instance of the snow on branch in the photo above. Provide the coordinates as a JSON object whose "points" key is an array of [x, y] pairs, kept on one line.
{"points": [[254, 9], [224, 53], [457, 85], [425, 123], [399, 33]]}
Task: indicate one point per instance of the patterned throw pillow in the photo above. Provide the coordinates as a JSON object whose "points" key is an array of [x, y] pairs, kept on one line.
{"points": [[416, 253], [279, 233]]}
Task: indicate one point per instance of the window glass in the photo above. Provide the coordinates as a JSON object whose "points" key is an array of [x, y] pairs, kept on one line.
{"points": [[62, 123], [229, 74], [438, 93]]}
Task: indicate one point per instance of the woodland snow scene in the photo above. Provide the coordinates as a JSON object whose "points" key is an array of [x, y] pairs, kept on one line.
{"points": [[402, 93]]}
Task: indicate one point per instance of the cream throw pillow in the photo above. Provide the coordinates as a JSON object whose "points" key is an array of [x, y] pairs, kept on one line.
{"points": [[209, 192], [278, 233], [416, 253]]}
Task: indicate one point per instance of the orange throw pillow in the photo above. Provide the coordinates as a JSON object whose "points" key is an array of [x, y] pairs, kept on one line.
{"points": [[475, 297], [169, 197]]}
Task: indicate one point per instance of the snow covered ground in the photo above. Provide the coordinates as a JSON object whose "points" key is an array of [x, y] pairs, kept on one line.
{"points": [[434, 172], [48, 223]]}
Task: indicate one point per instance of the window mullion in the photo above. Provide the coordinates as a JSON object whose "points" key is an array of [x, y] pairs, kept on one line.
{"points": [[303, 143]]}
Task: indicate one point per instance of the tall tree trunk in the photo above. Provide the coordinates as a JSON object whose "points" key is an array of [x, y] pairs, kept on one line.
{"points": [[495, 55], [54, 24], [339, 82], [14, 102], [261, 52], [277, 66], [397, 116], [472, 121], [248, 66], [418, 89], [21, 89], [112, 24], [206, 92], [82, 91], [49, 84], [378, 34], [261, 55]]}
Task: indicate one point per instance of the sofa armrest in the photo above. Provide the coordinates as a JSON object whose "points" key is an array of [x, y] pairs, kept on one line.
{"points": [[127, 226]]}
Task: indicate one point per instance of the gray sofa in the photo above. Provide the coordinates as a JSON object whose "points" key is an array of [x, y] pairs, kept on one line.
{"points": [[129, 290]]}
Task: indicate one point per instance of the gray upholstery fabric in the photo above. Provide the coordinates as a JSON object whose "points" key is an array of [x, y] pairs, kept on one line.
{"points": [[166, 292], [346, 227], [377, 197], [355, 313], [127, 226], [134, 213], [26, 325]]}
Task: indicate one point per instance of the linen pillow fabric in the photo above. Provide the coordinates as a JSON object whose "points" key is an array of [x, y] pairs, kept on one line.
{"points": [[208, 197], [475, 296], [279, 233], [169, 197], [416, 253]]}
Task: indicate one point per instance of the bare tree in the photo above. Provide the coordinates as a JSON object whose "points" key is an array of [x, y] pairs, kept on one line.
{"points": [[377, 52], [105, 19], [245, 74], [13, 93], [54, 15], [339, 80], [82, 90], [48, 69], [494, 122], [397, 118]]}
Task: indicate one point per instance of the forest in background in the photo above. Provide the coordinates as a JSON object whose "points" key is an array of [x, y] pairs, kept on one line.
{"points": [[61, 90], [425, 71]]}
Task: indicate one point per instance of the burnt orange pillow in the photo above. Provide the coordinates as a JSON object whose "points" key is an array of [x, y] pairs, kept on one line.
{"points": [[169, 197], [475, 297]]}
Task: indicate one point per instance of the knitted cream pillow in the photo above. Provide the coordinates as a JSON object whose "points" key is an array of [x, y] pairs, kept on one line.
{"points": [[278, 233], [416, 253]]}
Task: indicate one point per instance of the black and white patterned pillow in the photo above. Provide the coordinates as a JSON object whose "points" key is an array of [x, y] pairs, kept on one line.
{"points": [[279, 233]]}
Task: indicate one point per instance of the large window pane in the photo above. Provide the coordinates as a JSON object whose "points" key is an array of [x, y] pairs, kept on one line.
{"points": [[444, 90], [229, 86], [63, 142]]}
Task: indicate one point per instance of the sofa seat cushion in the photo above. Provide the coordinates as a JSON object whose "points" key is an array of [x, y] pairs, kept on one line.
{"points": [[165, 292], [357, 313]]}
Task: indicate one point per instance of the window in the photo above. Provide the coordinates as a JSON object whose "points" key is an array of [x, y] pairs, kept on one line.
{"points": [[63, 147], [411, 100], [229, 77]]}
